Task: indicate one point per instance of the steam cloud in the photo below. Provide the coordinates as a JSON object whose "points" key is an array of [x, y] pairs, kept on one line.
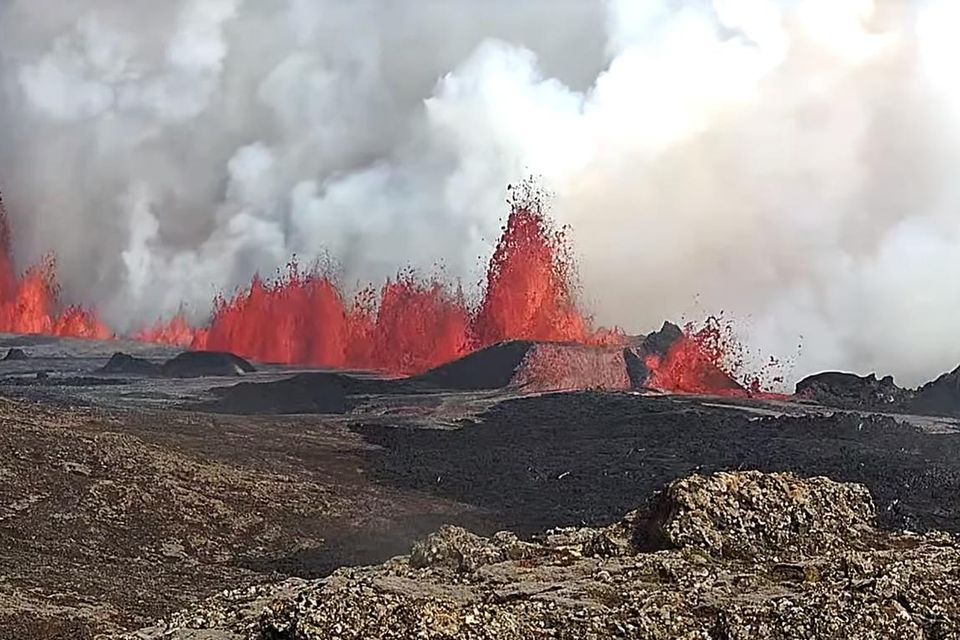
{"points": [[789, 162]]}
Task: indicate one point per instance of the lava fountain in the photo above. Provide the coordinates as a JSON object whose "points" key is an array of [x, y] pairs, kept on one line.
{"points": [[409, 325], [30, 302]]}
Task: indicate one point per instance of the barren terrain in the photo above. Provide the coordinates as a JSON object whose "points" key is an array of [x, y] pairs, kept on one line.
{"points": [[123, 502]]}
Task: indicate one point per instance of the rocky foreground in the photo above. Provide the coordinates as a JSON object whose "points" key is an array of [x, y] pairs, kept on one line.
{"points": [[724, 556]]}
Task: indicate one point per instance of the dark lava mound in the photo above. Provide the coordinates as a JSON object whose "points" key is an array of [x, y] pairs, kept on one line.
{"points": [[196, 364], [190, 364], [314, 392], [850, 390], [491, 368], [16, 354], [303, 393], [124, 363]]}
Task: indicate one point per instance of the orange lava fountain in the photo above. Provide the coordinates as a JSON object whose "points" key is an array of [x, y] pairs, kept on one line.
{"points": [[30, 303], [409, 325]]}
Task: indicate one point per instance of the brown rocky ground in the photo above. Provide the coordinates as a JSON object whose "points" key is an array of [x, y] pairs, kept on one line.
{"points": [[108, 519], [124, 509], [727, 556]]}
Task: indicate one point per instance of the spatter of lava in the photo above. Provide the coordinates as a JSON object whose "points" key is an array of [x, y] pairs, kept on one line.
{"points": [[708, 359], [407, 326]]}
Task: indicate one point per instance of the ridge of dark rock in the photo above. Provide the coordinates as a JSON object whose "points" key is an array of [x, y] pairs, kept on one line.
{"points": [[940, 396]]}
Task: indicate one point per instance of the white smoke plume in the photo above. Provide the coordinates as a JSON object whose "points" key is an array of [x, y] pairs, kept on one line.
{"points": [[788, 161]]}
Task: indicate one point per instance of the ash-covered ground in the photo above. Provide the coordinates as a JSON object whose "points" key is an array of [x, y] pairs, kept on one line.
{"points": [[128, 495]]}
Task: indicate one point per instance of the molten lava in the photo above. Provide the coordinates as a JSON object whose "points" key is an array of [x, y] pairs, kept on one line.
{"points": [[29, 303], [551, 367], [527, 294], [689, 367], [708, 360], [410, 324]]}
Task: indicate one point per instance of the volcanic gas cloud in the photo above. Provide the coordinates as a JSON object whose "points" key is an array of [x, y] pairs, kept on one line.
{"points": [[409, 325]]}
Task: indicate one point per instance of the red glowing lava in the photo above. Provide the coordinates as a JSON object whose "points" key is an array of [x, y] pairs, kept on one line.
{"points": [[411, 324], [528, 287], [302, 318], [30, 303], [569, 367], [691, 368], [175, 332], [708, 360]]}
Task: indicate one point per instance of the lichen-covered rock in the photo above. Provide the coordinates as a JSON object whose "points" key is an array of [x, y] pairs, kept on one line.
{"points": [[741, 555], [747, 514], [457, 549]]}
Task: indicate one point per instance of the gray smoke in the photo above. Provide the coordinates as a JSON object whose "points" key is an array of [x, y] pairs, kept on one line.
{"points": [[786, 161]]}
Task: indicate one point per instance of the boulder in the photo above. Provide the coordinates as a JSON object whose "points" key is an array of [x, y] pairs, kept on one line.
{"points": [[462, 551], [750, 514]]}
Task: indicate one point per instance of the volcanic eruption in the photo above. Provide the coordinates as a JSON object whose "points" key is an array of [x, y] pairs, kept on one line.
{"points": [[411, 323], [29, 302]]}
